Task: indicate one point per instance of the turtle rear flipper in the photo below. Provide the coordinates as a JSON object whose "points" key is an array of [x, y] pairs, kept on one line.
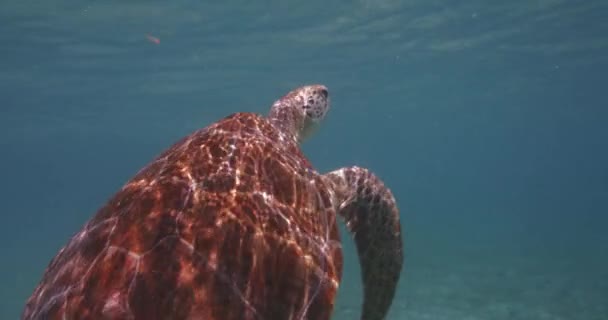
{"points": [[371, 215]]}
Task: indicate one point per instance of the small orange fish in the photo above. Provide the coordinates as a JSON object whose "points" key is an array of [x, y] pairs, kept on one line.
{"points": [[153, 39]]}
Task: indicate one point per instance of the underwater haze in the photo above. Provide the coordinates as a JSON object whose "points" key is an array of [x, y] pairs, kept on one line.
{"points": [[487, 119]]}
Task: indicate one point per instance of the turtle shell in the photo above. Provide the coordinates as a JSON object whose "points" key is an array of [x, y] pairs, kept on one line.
{"points": [[231, 222]]}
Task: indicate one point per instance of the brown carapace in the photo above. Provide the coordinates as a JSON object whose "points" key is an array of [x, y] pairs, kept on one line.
{"points": [[231, 222]]}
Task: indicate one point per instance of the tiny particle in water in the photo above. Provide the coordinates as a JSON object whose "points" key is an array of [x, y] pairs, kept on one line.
{"points": [[153, 39]]}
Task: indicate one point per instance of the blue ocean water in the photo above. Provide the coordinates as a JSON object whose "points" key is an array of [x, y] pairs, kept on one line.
{"points": [[488, 119]]}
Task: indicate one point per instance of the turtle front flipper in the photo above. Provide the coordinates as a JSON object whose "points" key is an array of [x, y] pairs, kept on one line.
{"points": [[371, 215]]}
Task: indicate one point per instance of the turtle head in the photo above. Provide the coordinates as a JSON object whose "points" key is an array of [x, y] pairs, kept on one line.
{"points": [[299, 112]]}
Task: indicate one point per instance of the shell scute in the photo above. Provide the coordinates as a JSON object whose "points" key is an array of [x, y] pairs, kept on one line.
{"points": [[226, 224]]}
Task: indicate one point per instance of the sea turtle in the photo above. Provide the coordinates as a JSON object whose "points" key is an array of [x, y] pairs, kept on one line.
{"points": [[231, 222]]}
